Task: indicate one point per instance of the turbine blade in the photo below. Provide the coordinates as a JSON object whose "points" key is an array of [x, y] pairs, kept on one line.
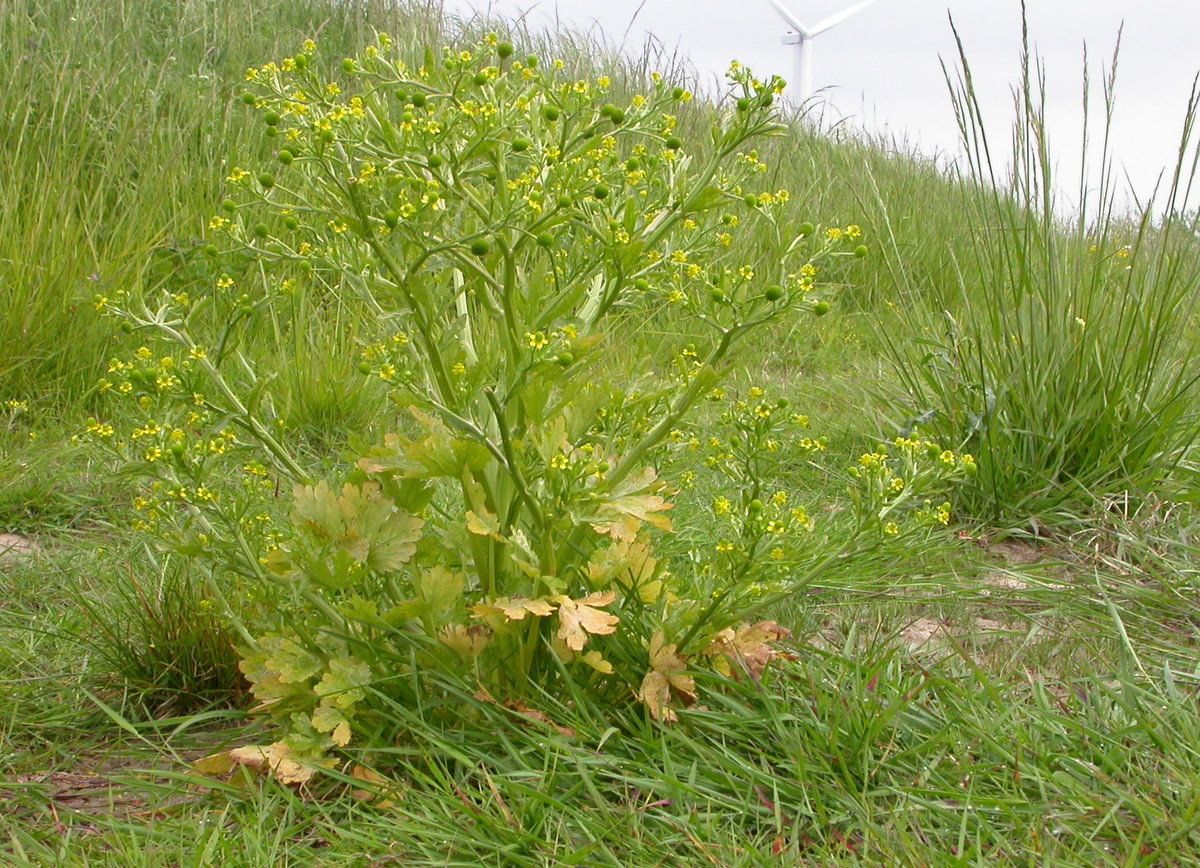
{"points": [[791, 19], [834, 20]]}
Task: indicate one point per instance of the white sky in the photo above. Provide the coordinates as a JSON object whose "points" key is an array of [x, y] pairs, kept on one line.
{"points": [[881, 67]]}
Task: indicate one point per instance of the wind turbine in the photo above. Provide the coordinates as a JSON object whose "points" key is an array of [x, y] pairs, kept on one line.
{"points": [[802, 39]]}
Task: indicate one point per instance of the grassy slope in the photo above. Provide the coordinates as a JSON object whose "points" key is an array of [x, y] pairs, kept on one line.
{"points": [[1053, 721]]}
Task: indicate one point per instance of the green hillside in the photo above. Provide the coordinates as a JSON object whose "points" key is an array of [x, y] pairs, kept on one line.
{"points": [[430, 442]]}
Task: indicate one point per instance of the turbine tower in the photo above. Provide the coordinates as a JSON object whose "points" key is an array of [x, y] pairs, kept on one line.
{"points": [[802, 39]]}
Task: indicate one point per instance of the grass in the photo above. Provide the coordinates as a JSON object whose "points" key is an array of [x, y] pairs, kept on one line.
{"points": [[967, 700]]}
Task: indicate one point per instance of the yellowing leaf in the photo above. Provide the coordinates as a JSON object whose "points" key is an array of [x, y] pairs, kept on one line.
{"points": [[376, 787], [331, 720], [578, 618], [359, 527], [667, 676], [439, 454], [513, 608], [275, 758], [749, 647], [440, 590], [655, 692], [485, 523], [468, 642], [343, 683], [631, 503], [214, 765], [597, 662], [629, 563]]}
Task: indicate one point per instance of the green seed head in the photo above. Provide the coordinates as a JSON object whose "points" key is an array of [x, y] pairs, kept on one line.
{"points": [[565, 359], [272, 132], [564, 201], [271, 119], [545, 240], [531, 61], [673, 143], [550, 113], [391, 219], [261, 230], [617, 117], [677, 93], [743, 105], [632, 164], [286, 156], [229, 205], [504, 50], [805, 229], [418, 99], [717, 294], [751, 200], [291, 223], [434, 161], [211, 250], [641, 284], [481, 247], [773, 293], [821, 308], [267, 181], [249, 98], [480, 79], [608, 110], [754, 507], [860, 251], [519, 145], [348, 65], [364, 368], [601, 192]]}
